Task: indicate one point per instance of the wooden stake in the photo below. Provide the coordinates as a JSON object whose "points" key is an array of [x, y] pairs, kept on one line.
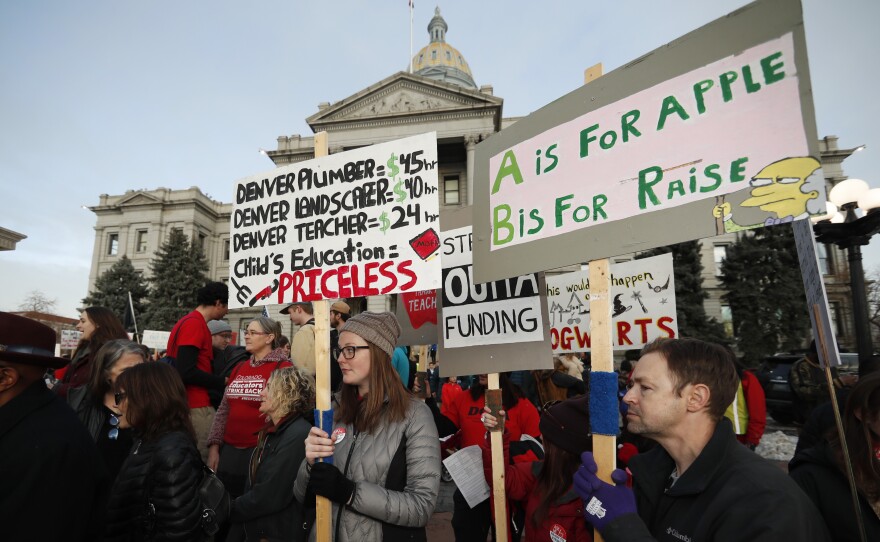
{"points": [[321, 309], [496, 441], [601, 353]]}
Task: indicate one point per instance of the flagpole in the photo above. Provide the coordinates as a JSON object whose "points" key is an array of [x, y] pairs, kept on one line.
{"points": [[133, 317], [410, 36]]}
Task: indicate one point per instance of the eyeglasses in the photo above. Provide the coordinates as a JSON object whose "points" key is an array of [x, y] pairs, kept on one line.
{"points": [[249, 332], [348, 352], [119, 396], [113, 434]]}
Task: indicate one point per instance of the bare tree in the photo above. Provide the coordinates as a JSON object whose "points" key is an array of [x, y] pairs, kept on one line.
{"points": [[37, 301]]}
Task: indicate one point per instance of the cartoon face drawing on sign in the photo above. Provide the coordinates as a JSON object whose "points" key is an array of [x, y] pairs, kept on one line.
{"points": [[777, 189]]}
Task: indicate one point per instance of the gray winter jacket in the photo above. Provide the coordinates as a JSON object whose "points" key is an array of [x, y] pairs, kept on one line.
{"points": [[370, 467]]}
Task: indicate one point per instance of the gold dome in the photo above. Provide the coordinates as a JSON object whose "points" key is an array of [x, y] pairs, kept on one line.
{"points": [[441, 61]]}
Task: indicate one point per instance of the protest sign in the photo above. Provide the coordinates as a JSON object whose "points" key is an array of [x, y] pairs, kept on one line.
{"points": [[358, 223], [814, 287], [643, 305], [712, 133], [69, 338], [417, 314], [156, 339], [487, 328]]}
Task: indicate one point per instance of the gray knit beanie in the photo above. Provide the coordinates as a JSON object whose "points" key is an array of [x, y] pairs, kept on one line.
{"points": [[379, 328]]}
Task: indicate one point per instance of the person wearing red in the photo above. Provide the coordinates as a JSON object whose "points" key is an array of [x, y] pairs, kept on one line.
{"points": [[191, 347], [553, 509], [757, 405], [462, 414], [238, 421], [450, 389]]}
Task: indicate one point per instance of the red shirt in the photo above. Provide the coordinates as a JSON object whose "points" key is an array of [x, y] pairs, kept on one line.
{"points": [[243, 396], [465, 414], [192, 330]]}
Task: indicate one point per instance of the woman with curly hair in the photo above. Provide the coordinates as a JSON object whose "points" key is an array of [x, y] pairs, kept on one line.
{"points": [[267, 510], [97, 325], [156, 494]]}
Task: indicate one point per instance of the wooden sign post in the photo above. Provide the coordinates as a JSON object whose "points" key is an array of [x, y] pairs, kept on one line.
{"points": [[496, 441], [321, 312], [601, 353]]}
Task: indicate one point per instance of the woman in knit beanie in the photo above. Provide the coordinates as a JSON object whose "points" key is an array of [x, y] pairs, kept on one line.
{"points": [[553, 509], [385, 474]]}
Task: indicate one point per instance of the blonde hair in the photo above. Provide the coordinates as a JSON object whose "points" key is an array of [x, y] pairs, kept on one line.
{"points": [[292, 391]]}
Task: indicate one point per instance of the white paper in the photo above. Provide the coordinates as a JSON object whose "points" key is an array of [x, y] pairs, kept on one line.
{"points": [[466, 468]]}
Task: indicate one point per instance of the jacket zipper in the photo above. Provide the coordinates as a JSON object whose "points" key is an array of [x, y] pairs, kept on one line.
{"points": [[345, 473]]}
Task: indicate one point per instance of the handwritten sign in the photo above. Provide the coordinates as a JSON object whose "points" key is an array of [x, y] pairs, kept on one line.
{"points": [[814, 287], [156, 339], [713, 133], [643, 305], [357, 223], [69, 338]]}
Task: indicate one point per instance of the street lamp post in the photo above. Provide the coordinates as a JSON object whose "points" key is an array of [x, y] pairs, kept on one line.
{"points": [[849, 231]]}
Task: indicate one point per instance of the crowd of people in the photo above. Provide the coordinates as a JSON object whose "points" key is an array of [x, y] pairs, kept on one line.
{"points": [[119, 447]]}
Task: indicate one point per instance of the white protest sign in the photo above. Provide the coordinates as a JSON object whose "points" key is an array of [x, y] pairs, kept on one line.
{"points": [[814, 287], [69, 338], [619, 160], [643, 305], [156, 339], [499, 312], [712, 133], [358, 223]]}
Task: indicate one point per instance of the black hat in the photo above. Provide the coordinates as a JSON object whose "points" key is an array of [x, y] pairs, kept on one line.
{"points": [[29, 342], [567, 425]]}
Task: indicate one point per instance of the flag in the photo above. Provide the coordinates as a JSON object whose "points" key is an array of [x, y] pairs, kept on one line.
{"points": [[265, 311]]}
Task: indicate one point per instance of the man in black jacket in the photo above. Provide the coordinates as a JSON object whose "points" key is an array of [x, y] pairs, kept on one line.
{"points": [[700, 483], [53, 485]]}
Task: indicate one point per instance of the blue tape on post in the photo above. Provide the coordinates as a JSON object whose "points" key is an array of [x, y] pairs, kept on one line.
{"points": [[603, 403], [324, 420]]}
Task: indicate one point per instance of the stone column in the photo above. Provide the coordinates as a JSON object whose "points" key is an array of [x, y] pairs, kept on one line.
{"points": [[470, 143]]}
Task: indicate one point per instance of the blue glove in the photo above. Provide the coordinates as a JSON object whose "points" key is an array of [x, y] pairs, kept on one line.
{"points": [[603, 502]]}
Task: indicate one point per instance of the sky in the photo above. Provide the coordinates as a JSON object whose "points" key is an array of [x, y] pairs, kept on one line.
{"points": [[100, 97]]}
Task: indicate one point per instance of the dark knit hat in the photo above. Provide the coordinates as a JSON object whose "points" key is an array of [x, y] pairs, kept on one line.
{"points": [[379, 328], [567, 425]]}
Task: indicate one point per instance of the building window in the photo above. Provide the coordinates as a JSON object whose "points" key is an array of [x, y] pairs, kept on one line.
{"points": [[141, 241], [720, 254], [727, 320], [451, 190], [448, 55], [202, 238], [226, 250], [433, 55], [113, 244], [824, 258]]}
